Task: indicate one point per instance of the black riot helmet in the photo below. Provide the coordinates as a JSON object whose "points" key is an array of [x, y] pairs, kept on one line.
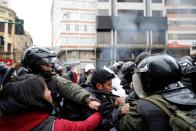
{"points": [[116, 66], [185, 61], [35, 56], [141, 56], [128, 68], [154, 73]]}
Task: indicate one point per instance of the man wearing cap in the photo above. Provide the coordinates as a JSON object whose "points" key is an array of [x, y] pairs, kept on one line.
{"points": [[89, 68]]}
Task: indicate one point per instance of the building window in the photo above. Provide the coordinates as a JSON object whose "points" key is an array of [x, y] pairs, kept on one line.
{"points": [[180, 2], [72, 28], [67, 27], [131, 12], [9, 48], [70, 40], [87, 16], [89, 41], [129, 37], [78, 4], [77, 28], [10, 14], [157, 13], [182, 23], [2, 12], [181, 11], [138, 1], [2, 27], [85, 28], [103, 37], [67, 15], [156, 1], [85, 4], [182, 36], [103, 0], [91, 28], [10, 28], [81, 28], [103, 12], [158, 37]]}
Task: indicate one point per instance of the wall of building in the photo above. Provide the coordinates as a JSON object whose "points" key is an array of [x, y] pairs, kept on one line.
{"points": [[181, 25], [130, 27], [15, 42], [22, 42], [73, 25], [7, 30], [123, 38], [4, 3]]}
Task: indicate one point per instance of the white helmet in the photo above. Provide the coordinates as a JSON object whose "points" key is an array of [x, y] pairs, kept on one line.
{"points": [[89, 67]]}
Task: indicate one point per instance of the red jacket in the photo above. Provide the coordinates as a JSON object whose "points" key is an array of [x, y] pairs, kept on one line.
{"points": [[28, 121]]}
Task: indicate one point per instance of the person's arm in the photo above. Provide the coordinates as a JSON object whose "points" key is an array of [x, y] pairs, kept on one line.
{"points": [[76, 93], [8, 74], [87, 125], [132, 120]]}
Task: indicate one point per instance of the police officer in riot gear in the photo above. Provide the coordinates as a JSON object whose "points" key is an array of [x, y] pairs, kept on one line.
{"points": [[187, 66], [58, 69], [39, 60], [141, 56], [127, 71], [116, 68], [188, 73], [156, 75]]}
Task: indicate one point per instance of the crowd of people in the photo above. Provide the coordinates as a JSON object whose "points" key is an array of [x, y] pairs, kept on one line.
{"points": [[159, 94]]}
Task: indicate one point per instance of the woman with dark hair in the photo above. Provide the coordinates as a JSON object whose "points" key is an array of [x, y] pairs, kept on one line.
{"points": [[24, 105]]}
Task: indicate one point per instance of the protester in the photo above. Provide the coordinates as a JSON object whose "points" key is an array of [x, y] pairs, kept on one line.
{"points": [[126, 79], [82, 78], [24, 104], [186, 64], [3, 70], [116, 87], [89, 68], [58, 69], [116, 68], [70, 74], [9, 72], [101, 89]]}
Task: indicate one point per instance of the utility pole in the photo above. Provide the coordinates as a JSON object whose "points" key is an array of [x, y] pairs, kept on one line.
{"points": [[113, 50]]}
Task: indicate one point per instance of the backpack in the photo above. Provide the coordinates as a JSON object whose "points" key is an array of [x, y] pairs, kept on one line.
{"points": [[179, 120]]}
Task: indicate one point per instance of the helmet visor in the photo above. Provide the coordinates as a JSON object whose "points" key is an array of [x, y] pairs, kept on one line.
{"points": [[46, 61], [137, 85]]}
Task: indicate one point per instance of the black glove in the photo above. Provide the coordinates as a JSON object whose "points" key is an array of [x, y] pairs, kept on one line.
{"points": [[106, 108], [110, 122], [106, 125]]}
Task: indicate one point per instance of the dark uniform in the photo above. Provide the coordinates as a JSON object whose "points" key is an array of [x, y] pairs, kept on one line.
{"points": [[156, 76], [144, 116]]}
